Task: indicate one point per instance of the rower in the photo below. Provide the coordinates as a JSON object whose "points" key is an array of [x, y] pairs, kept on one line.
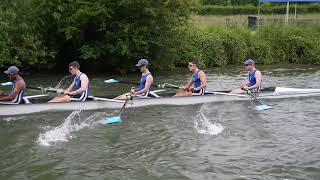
{"points": [[198, 81], [19, 85], [78, 90], [252, 82], [146, 81]]}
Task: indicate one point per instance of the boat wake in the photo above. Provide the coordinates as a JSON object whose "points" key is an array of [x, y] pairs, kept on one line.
{"points": [[65, 131], [204, 126]]}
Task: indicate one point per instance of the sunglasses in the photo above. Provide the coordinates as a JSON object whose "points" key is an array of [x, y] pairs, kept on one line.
{"points": [[247, 64]]}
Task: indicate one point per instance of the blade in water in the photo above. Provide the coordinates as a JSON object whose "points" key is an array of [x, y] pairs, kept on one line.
{"points": [[7, 84], [112, 120], [111, 81], [263, 107]]}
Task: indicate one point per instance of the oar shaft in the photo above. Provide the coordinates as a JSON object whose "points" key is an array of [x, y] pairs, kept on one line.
{"points": [[44, 90], [254, 97], [124, 105]]}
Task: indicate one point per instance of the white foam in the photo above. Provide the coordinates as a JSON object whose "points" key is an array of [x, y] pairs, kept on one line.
{"points": [[9, 119], [73, 123], [204, 126]]}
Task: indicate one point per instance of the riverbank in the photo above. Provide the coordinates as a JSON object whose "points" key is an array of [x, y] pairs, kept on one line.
{"points": [[111, 38]]}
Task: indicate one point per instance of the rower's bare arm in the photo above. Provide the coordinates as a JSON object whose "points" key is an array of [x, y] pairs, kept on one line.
{"points": [[84, 85], [203, 80], [244, 83], [19, 86], [188, 85], [258, 80], [71, 87], [147, 86]]}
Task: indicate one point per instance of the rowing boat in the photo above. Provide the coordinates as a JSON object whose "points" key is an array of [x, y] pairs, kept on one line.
{"points": [[38, 104]]}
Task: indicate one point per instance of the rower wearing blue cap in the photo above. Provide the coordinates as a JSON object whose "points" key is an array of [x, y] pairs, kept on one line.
{"points": [[146, 81], [253, 81], [19, 85], [78, 90]]}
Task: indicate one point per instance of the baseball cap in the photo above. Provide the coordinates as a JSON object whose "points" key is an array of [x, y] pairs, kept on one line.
{"points": [[142, 62], [12, 70], [248, 62]]}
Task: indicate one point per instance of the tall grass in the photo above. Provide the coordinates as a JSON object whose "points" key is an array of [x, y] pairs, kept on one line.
{"points": [[218, 46]]}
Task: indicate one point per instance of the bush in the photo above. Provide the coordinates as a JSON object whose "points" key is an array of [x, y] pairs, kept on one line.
{"points": [[218, 46]]}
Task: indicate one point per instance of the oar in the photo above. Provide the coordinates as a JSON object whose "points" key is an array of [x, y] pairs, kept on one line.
{"points": [[113, 81], [45, 90], [164, 85], [260, 107], [167, 85], [7, 84], [117, 119]]}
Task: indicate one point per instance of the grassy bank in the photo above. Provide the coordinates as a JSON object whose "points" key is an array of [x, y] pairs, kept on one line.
{"points": [[250, 9], [221, 20]]}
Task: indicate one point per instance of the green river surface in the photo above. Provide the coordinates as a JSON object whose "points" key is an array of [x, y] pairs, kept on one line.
{"points": [[226, 140]]}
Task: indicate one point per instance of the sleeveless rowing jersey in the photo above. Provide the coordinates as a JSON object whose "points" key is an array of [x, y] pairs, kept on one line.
{"points": [[143, 81], [196, 79], [20, 95], [77, 81], [252, 79]]}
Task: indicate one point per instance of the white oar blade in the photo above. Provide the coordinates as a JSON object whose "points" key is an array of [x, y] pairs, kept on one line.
{"points": [[7, 84], [263, 107], [112, 120], [109, 81]]}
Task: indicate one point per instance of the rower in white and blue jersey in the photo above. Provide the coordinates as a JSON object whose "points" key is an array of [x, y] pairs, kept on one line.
{"points": [[17, 92], [198, 81], [253, 81], [78, 90], [146, 81]]}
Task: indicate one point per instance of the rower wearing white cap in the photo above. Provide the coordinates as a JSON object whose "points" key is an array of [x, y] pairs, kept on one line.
{"points": [[17, 92], [145, 82], [253, 82]]}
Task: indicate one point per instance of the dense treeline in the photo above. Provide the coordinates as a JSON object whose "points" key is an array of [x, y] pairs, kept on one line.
{"points": [[42, 33], [113, 34], [229, 2]]}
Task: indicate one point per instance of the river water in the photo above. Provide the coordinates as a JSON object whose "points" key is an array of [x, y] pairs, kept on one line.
{"points": [[205, 141]]}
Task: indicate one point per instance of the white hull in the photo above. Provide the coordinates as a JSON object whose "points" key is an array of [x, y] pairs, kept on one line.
{"points": [[6, 110]]}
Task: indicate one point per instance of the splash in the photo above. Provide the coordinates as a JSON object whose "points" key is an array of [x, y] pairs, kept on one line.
{"points": [[65, 131], [64, 82], [204, 126]]}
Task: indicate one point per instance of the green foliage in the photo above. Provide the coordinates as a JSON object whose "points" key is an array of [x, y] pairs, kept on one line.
{"points": [[44, 31], [114, 34], [21, 42], [218, 46], [289, 44], [229, 2]]}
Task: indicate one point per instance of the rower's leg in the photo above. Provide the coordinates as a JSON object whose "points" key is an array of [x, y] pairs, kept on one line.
{"points": [[238, 91], [122, 97], [184, 93], [62, 98]]}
